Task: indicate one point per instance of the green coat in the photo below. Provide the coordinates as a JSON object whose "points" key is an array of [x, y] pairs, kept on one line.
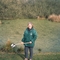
{"points": [[29, 35]]}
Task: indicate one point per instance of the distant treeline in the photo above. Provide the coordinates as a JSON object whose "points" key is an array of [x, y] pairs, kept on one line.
{"points": [[13, 9]]}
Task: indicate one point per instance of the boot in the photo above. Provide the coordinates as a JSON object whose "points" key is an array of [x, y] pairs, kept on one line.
{"points": [[25, 59]]}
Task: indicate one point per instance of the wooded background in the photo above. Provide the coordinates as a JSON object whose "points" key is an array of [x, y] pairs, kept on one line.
{"points": [[13, 9]]}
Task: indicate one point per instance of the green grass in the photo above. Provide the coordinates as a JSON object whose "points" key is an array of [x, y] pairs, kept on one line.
{"points": [[6, 56], [47, 57], [48, 33]]}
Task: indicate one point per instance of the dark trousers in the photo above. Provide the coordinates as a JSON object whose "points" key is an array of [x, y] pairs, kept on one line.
{"points": [[30, 49]]}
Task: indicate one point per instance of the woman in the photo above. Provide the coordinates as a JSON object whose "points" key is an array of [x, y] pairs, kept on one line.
{"points": [[30, 36]]}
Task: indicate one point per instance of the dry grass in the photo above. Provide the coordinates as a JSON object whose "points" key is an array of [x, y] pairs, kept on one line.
{"points": [[0, 22], [40, 18], [8, 45], [54, 18]]}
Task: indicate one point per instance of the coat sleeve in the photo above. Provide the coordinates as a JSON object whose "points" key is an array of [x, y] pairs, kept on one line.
{"points": [[34, 36], [23, 37]]}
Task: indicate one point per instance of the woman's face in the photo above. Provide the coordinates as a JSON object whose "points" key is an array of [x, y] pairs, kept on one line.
{"points": [[30, 26]]}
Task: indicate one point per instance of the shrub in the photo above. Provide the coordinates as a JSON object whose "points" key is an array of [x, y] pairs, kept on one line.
{"points": [[7, 47]]}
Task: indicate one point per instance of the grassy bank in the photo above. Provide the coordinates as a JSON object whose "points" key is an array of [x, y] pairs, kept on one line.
{"points": [[48, 33]]}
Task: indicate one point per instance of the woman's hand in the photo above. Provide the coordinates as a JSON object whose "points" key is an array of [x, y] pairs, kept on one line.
{"points": [[22, 43], [30, 42]]}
